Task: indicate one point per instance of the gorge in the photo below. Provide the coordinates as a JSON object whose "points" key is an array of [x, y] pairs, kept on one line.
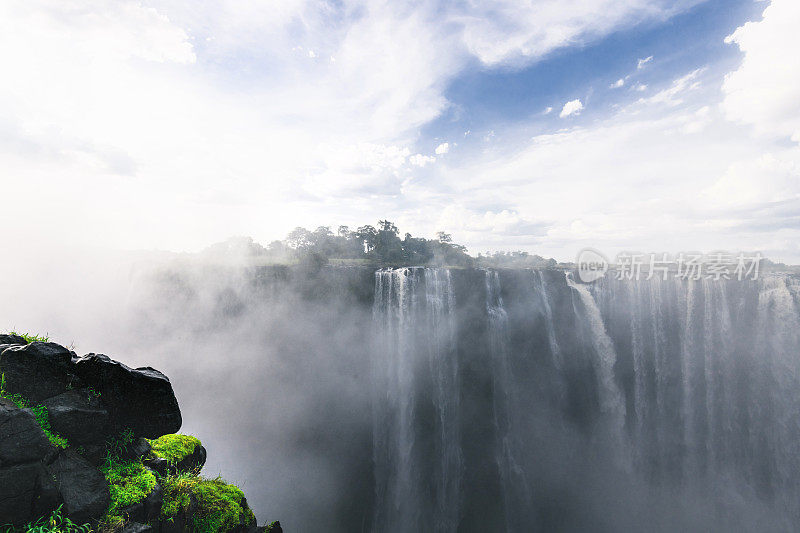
{"points": [[467, 399]]}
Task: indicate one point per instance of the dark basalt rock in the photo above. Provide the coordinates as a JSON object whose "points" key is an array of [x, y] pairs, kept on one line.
{"points": [[38, 371], [159, 465], [137, 449], [94, 453], [46, 496], [27, 492], [83, 488], [141, 399], [194, 461], [21, 438], [12, 339], [17, 492], [79, 416]]}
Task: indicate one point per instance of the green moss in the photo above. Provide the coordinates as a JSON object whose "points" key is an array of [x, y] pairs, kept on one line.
{"points": [[174, 448], [219, 503], [219, 506], [39, 412], [129, 483], [29, 337]]}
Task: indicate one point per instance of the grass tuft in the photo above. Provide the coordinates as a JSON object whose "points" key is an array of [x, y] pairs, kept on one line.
{"points": [[55, 523], [30, 337]]}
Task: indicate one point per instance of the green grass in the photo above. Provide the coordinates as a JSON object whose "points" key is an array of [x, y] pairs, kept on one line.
{"points": [[39, 412], [174, 448], [219, 503], [55, 523], [29, 337]]}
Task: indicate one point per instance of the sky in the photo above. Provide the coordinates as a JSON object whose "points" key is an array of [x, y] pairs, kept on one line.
{"points": [[545, 125]]}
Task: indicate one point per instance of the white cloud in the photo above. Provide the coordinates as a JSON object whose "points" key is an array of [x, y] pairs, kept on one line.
{"points": [[420, 160], [573, 107], [617, 84], [640, 87], [675, 93], [502, 30], [642, 62], [180, 109], [765, 90], [771, 178], [547, 110], [628, 190], [442, 149]]}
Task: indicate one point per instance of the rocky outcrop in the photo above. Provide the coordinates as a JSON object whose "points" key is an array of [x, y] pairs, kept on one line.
{"points": [[74, 433], [12, 339], [83, 488], [38, 371], [141, 399], [79, 416]]}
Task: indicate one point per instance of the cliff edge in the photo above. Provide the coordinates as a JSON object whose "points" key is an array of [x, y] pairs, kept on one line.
{"points": [[89, 444]]}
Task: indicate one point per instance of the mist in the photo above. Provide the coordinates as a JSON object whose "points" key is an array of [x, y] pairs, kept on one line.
{"points": [[345, 399]]}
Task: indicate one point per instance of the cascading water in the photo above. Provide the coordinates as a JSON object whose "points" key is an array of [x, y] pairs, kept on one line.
{"points": [[515, 491], [686, 391], [611, 403], [417, 476]]}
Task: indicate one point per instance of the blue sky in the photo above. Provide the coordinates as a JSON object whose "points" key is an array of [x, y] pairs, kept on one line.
{"points": [[483, 98], [547, 126]]}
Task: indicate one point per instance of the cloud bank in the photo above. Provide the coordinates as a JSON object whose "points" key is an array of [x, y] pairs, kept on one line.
{"points": [[175, 124]]}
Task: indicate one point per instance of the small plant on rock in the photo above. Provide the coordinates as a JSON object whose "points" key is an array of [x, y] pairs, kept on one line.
{"points": [[39, 412], [30, 337], [55, 523]]}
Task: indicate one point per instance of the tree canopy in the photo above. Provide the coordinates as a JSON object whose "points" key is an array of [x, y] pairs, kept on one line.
{"points": [[379, 244]]}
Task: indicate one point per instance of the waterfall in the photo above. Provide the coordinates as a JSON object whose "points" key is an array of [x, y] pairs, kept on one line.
{"points": [[688, 389], [515, 489], [440, 303], [396, 470], [611, 403], [541, 287], [415, 365]]}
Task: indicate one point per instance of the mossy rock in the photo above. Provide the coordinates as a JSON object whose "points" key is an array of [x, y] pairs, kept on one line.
{"points": [[129, 483], [171, 454], [208, 505]]}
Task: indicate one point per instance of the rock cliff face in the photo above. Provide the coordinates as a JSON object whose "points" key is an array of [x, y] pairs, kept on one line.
{"points": [[96, 439]]}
